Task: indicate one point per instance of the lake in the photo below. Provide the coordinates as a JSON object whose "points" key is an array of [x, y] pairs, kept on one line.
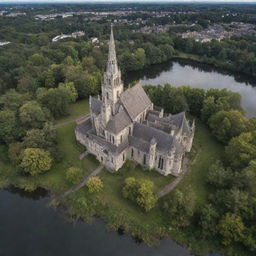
{"points": [[29, 227], [182, 72]]}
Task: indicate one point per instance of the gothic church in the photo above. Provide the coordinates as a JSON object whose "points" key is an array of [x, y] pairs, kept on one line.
{"points": [[124, 124]]}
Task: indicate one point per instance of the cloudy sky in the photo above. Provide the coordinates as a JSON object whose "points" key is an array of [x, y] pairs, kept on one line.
{"points": [[91, 1]]}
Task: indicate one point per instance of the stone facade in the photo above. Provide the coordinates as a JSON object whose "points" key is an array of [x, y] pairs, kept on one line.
{"points": [[125, 125]]}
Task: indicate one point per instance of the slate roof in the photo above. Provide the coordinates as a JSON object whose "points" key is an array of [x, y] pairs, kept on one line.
{"points": [[180, 121], [118, 122], [85, 126], [164, 141], [95, 105], [177, 122], [140, 144], [109, 146], [135, 100]]}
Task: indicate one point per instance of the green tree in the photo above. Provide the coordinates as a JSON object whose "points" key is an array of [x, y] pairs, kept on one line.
{"points": [[181, 207], [8, 126], [208, 220], [45, 138], [74, 175], [13, 100], [231, 228], [57, 100], [241, 150], [70, 87], [32, 115], [227, 124], [140, 191], [94, 184], [36, 161]]}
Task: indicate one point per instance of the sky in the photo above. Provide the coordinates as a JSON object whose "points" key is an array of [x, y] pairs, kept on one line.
{"points": [[120, 1]]}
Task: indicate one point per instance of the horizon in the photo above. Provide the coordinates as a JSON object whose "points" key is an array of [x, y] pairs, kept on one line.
{"points": [[127, 1]]}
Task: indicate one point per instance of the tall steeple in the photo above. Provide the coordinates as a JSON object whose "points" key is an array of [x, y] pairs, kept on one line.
{"points": [[112, 62], [112, 85]]}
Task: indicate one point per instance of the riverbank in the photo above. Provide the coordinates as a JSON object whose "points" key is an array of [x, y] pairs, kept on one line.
{"points": [[219, 66], [110, 205]]}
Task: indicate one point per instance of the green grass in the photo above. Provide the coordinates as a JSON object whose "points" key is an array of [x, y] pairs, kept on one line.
{"points": [[113, 183], [77, 109], [70, 151], [205, 150]]}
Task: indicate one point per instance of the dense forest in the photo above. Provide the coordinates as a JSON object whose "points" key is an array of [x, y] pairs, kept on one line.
{"points": [[39, 79]]}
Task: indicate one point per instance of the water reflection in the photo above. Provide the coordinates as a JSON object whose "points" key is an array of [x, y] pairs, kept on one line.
{"points": [[28, 228], [198, 75]]}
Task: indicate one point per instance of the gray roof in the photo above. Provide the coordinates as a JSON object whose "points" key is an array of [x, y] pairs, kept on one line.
{"points": [[135, 100], [140, 144], [118, 122], [95, 105], [180, 121], [85, 126], [164, 141], [109, 146]]}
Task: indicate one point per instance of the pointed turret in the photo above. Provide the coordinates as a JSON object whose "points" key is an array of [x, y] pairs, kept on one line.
{"points": [[112, 85], [112, 62]]}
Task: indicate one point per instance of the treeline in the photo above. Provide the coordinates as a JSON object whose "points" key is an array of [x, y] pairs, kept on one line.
{"points": [[236, 53], [229, 215]]}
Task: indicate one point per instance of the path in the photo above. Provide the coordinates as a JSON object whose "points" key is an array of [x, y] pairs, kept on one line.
{"points": [[84, 182], [77, 120], [169, 187], [83, 155]]}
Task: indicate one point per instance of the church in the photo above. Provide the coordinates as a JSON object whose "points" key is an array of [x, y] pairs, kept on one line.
{"points": [[124, 124]]}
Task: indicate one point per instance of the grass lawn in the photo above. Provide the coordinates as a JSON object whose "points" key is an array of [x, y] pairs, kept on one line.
{"points": [[70, 152], [77, 109], [206, 150]]}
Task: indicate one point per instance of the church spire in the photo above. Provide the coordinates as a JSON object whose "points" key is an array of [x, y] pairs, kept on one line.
{"points": [[112, 62]]}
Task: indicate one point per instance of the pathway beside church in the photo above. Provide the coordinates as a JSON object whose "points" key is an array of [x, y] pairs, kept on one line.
{"points": [[172, 185], [84, 182], [77, 120]]}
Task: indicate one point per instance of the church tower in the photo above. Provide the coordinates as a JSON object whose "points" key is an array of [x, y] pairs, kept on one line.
{"points": [[112, 85]]}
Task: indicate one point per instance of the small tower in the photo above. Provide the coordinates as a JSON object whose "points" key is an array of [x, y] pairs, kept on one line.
{"points": [[152, 153], [112, 85]]}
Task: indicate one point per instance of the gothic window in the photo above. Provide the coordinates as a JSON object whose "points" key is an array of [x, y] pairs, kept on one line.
{"points": [[112, 160], [121, 139], [107, 96], [132, 153], [144, 159], [129, 130], [113, 138], [161, 163]]}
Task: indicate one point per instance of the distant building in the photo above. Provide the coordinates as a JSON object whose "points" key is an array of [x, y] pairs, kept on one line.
{"points": [[63, 36], [125, 125], [4, 43]]}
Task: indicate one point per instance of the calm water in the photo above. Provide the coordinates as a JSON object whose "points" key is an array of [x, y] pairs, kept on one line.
{"points": [[28, 227], [180, 73]]}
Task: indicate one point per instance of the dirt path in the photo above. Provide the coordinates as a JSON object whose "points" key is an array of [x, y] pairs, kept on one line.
{"points": [[84, 182], [169, 187], [78, 120]]}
